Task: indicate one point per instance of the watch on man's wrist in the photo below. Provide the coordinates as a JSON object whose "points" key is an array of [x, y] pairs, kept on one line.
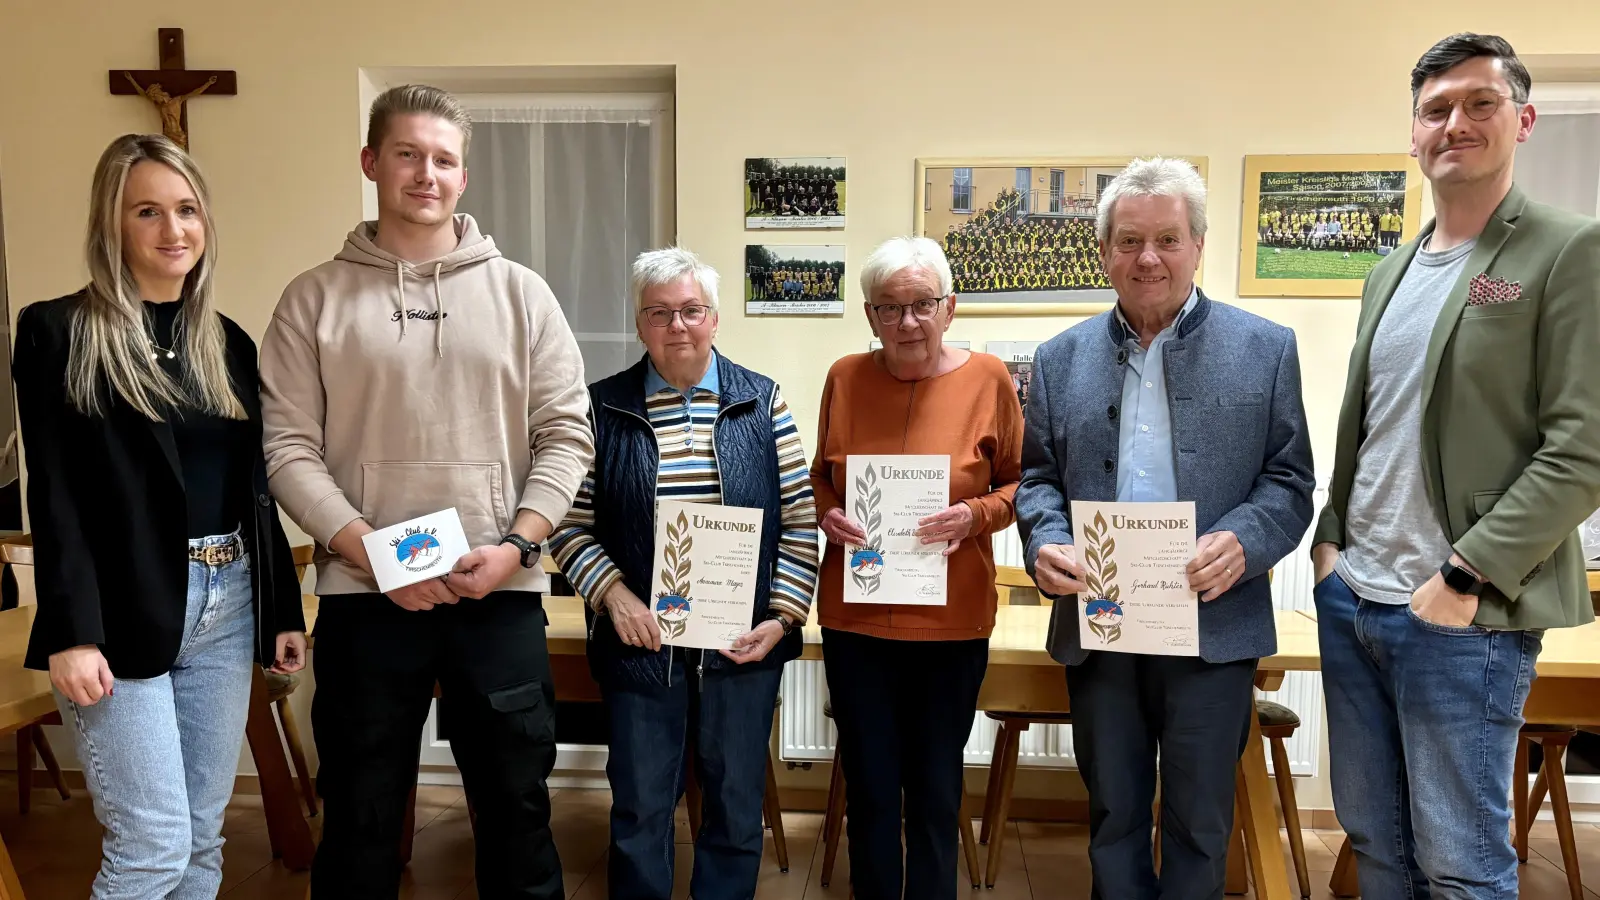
{"points": [[1460, 579], [782, 620], [529, 550]]}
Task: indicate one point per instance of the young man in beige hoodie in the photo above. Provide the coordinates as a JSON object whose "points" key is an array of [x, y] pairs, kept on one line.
{"points": [[419, 371]]}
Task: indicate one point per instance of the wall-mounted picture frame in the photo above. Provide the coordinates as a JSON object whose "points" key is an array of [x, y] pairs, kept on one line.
{"points": [[1316, 225], [1020, 233], [794, 192], [794, 280]]}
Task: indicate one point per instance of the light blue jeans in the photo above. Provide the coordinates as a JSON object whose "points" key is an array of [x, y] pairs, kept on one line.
{"points": [[1422, 731], [159, 754]]}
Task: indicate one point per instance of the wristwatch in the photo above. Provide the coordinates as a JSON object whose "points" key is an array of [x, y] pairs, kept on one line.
{"points": [[530, 551], [1460, 580], [782, 620]]}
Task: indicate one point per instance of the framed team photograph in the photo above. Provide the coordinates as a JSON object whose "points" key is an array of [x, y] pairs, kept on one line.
{"points": [[1020, 233], [1314, 226], [794, 192], [794, 281]]}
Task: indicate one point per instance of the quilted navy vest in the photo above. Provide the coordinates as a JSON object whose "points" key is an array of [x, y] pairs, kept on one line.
{"points": [[627, 460]]}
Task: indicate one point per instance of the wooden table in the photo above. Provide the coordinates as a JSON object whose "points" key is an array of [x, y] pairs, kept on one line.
{"points": [[25, 696]]}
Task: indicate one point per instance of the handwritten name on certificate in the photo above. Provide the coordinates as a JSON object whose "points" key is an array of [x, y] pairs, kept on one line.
{"points": [[1134, 558], [703, 586], [888, 495]]}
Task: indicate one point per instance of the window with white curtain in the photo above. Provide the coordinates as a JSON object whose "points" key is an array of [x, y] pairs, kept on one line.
{"points": [[1560, 163], [574, 186]]}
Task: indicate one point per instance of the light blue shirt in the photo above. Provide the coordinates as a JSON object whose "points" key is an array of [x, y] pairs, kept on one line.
{"points": [[1147, 470], [654, 383]]}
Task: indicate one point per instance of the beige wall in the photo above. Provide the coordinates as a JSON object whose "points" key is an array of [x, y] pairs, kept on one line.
{"points": [[282, 156]]}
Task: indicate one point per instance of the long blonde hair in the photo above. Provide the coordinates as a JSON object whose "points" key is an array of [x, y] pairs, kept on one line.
{"points": [[111, 342]]}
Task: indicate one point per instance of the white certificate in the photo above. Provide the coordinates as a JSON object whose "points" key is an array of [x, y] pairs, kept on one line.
{"points": [[416, 550], [1134, 558], [887, 495], [703, 590]]}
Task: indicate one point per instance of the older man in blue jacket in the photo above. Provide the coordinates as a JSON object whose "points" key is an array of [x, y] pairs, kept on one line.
{"points": [[1170, 396]]}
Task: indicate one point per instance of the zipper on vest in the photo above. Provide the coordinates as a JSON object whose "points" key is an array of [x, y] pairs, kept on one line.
{"points": [[701, 686]]}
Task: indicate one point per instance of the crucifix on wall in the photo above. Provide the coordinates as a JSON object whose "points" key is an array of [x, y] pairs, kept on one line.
{"points": [[172, 86]]}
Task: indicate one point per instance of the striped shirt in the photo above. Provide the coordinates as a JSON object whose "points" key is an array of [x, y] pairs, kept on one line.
{"points": [[683, 425]]}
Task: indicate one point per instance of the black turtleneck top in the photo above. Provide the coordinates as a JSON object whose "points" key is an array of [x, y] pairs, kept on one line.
{"points": [[213, 452]]}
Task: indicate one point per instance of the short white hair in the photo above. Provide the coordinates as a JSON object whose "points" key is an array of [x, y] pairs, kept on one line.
{"points": [[1158, 176], [655, 268], [898, 254]]}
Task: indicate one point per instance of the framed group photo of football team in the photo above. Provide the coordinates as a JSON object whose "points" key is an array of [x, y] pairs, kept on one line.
{"points": [[1314, 226], [803, 280], [1020, 233], [794, 192]]}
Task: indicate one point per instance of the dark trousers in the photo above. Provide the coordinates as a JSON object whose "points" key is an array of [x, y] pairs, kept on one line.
{"points": [[1125, 706], [728, 715], [376, 665], [904, 711]]}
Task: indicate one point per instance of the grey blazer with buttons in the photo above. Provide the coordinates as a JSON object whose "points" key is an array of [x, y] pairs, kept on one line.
{"points": [[1240, 440]]}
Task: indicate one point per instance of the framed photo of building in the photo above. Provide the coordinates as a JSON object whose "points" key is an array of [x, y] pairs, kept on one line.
{"points": [[1020, 233], [1314, 226], [803, 280], [794, 192]]}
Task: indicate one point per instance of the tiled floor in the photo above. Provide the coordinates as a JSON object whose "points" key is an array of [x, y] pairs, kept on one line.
{"points": [[56, 851]]}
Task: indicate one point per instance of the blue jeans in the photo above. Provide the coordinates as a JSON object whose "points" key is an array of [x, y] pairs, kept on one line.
{"points": [[159, 754], [729, 714], [1422, 731]]}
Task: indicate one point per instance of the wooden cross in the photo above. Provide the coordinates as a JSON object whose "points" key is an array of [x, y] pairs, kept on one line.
{"points": [[172, 86]]}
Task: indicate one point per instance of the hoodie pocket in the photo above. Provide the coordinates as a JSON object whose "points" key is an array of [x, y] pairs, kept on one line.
{"points": [[392, 492]]}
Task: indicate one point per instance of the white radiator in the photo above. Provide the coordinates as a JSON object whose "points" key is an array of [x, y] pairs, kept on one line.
{"points": [[805, 734]]}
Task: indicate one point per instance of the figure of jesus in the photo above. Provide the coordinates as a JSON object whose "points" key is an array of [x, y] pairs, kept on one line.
{"points": [[170, 107]]}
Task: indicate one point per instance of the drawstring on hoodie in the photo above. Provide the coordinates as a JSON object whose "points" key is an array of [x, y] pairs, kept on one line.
{"points": [[400, 282], [438, 295]]}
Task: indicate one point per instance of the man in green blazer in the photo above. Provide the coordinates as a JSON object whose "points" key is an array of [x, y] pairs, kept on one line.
{"points": [[1468, 455]]}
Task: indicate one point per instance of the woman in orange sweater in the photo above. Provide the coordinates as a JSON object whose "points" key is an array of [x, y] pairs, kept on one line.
{"points": [[904, 679]]}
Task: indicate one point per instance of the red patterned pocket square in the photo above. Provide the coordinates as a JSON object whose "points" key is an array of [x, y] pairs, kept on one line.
{"points": [[1484, 290]]}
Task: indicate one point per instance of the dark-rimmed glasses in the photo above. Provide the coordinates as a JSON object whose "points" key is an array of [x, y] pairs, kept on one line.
{"points": [[661, 316], [921, 310]]}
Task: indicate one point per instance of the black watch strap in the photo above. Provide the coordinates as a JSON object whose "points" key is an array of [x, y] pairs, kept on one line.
{"points": [[782, 620], [528, 549], [1460, 580]]}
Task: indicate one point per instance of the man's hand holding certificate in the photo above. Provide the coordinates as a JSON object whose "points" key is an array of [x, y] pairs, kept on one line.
{"points": [[1136, 561]]}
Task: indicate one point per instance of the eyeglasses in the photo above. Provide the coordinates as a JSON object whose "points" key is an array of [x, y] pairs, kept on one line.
{"points": [[1480, 106], [921, 310], [661, 316]]}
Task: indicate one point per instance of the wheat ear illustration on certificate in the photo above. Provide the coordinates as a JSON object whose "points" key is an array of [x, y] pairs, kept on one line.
{"points": [[703, 586], [1135, 558], [888, 495]]}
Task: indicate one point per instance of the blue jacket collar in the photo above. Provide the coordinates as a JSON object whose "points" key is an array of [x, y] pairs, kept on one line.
{"points": [[1187, 321]]}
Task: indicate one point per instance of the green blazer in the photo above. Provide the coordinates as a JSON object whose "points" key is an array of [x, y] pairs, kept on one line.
{"points": [[1511, 411]]}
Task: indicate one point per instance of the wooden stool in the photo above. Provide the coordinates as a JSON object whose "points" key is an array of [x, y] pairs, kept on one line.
{"points": [[833, 820], [1278, 724], [1552, 778], [1003, 777], [771, 809]]}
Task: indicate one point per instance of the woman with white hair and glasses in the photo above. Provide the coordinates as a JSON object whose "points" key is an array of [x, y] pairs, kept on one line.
{"points": [[163, 573], [686, 423], [904, 678]]}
